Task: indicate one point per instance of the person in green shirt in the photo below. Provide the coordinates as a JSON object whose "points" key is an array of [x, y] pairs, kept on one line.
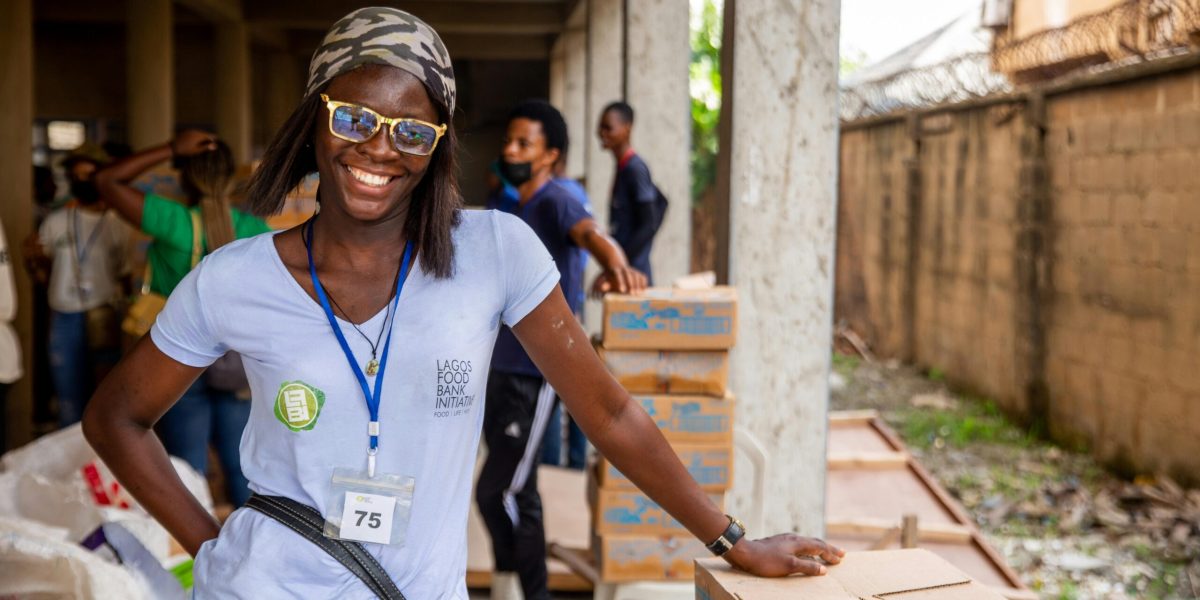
{"points": [[206, 412]]}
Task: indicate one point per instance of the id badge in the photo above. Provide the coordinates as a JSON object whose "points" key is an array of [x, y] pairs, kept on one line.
{"points": [[369, 509]]}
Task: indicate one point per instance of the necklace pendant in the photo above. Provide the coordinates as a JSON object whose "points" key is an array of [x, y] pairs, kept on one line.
{"points": [[372, 367]]}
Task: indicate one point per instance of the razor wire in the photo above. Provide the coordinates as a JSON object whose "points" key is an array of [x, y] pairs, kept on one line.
{"points": [[963, 78]]}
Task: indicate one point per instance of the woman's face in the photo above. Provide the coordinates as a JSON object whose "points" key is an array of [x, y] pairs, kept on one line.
{"points": [[372, 181]]}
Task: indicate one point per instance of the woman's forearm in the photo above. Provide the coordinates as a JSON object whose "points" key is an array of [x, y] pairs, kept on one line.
{"points": [[118, 424], [138, 460], [634, 445]]}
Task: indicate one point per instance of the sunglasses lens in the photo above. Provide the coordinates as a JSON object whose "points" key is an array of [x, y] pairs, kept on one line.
{"points": [[354, 123], [414, 138]]}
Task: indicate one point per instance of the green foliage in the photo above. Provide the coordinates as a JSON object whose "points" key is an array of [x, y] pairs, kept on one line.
{"points": [[1068, 591], [845, 364], [704, 83], [851, 61], [936, 374], [975, 421]]}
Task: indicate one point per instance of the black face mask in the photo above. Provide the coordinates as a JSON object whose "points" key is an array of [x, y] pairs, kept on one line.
{"points": [[85, 192], [516, 173]]}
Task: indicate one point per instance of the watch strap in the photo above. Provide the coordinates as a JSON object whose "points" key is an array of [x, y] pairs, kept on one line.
{"points": [[734, 532]]}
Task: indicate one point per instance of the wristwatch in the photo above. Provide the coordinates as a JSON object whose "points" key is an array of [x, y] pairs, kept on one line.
{"points": [[728, 538]]}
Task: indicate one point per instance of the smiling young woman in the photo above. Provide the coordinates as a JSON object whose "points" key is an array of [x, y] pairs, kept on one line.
{"points": [[366, 333]]}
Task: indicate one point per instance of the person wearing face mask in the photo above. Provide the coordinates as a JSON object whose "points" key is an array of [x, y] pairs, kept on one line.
{"points": [[506, 198], [519, 400], [79, 252]]}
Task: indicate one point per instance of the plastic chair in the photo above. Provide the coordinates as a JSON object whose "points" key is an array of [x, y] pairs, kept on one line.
{"points": [[749, 447]]}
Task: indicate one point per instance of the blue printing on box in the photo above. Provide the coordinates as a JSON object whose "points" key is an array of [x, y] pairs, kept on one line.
{"points": [[645, 512], [687, 417], [704, 475], [673, 321]]}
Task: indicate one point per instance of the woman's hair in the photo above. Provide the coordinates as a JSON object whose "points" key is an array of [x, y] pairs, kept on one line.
{"points": [[434, 207], [207, 177]]}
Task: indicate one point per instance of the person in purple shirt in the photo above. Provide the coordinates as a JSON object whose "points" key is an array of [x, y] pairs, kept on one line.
{"points": [[519, 401]]}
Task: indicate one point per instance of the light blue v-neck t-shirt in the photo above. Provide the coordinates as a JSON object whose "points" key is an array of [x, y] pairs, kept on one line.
{"points": [[309, 415]]}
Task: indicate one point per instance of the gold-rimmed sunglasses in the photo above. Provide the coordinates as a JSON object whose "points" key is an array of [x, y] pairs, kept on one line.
{"points": [[358, 124]]}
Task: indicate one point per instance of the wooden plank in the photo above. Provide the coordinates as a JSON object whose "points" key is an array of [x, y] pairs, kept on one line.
{"points": [[576, 560], [1015, 594], [951, 506], [931, 532], [908, 532], [864, 461], [851, 418], [561, 579]]}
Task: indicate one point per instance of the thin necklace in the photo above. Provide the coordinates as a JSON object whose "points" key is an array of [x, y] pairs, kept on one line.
{"points": [[373, 364]]}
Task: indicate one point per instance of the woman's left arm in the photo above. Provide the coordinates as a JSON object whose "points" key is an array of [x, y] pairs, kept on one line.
{"points": [[628, 438]]}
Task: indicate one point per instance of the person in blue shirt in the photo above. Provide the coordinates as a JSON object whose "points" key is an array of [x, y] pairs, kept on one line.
{"points": [[506, 198], [519, 400], [637, 205]]}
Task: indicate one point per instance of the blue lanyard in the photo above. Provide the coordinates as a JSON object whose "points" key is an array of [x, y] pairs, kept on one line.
{"points": [[371, 397]]}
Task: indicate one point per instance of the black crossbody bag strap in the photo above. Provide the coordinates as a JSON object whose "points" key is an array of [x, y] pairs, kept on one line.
{"points": [[309, 523]]}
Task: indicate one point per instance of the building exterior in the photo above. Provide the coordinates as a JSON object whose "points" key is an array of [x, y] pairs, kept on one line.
{"points": [[1040, 39]]}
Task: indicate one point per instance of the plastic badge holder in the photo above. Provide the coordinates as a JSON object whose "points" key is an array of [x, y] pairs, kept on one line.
{"points": [[350, 480]]}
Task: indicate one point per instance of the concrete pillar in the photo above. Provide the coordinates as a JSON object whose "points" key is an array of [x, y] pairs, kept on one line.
{"points": [[605, 83], [574, 102], [233, 87], [568, 93], [656, 76], [558, 74], [778, 183], [16, 184], [283, 88], [150, 51]]}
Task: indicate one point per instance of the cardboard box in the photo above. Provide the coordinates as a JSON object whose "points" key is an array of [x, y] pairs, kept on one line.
{"points": [[668, 372], [909, 574], [691, 419], [649, 558], [711, 465], [632, 512], [670, 319]]}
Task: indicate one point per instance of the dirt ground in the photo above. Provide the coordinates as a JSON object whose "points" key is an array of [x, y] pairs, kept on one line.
{"points": [[1070, 528]]}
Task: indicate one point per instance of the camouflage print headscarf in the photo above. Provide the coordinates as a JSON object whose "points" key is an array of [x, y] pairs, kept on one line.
{"points": [[380, 35]]}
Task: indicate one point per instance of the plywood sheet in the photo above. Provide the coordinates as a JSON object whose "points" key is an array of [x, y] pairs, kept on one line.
{"points": [[862, 438], [881, 494], [888, 495]]}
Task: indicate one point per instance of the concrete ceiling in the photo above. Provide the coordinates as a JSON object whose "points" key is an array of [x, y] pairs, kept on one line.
{"points": [[472, 29]]}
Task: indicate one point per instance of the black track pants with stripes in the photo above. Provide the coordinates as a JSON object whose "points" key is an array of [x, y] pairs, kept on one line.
{"points": [[517, 410]]}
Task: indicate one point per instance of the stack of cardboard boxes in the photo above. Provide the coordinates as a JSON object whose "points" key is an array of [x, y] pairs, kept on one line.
{"points": [[670, 349]]}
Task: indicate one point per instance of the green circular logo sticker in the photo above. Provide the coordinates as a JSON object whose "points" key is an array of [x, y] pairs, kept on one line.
{"points": [[298, 404]]}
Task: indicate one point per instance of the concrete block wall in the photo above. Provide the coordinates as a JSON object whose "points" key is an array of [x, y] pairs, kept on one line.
{"points": [[1049, 259], [1123, 345], [873, 234], [966, 285]]}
